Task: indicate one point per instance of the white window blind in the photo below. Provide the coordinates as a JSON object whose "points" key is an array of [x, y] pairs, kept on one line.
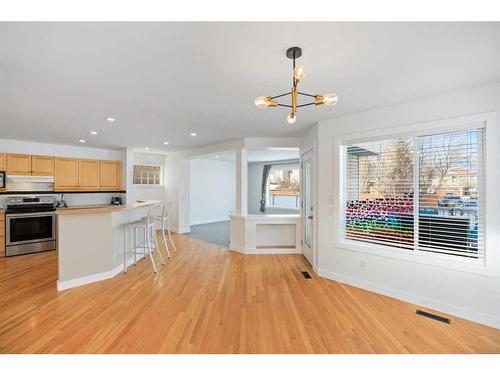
{"points": [[417, 193]]}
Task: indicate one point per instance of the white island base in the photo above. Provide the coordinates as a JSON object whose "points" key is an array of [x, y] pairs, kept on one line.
{"points": [[90, 242], [265, 234]]}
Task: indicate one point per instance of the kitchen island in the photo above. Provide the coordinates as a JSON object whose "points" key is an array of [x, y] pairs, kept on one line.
{"points": [[90, 241]]}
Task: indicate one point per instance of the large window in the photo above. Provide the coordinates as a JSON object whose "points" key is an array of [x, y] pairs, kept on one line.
{"points": [[417, 193], [283, 190], [147, 175]]}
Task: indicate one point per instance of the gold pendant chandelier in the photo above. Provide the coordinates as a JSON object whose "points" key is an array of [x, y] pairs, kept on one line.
{"points": [[299, 73]]}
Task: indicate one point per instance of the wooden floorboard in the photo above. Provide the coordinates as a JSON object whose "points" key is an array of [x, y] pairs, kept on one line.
{"points": [[208, 299]]}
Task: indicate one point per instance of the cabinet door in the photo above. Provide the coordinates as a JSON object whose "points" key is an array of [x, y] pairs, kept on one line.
{"points": [[88, 174], [42, 165], [18, 164], [3, 162], [111, 175], [66, 174]]}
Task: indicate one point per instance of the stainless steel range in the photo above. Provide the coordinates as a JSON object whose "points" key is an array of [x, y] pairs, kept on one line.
{"points": [[30, 225]]}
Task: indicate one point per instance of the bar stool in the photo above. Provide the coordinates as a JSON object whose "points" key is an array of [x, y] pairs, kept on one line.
{"points": [[145, 229], [165, 226]]}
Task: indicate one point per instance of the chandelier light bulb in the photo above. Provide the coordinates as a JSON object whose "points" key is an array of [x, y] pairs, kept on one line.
{"points": [[291, 118], [330, 99], [299, 72], [261, 102]]}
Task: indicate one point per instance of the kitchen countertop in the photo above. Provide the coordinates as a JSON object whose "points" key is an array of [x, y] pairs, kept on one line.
{"points": [[101, 208]]}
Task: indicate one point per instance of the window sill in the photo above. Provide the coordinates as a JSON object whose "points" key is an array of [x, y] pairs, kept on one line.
{"points": [[474, 266], [147, 186]]}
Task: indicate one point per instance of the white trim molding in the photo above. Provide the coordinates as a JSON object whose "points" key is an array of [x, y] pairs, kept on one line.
{"points": [[267, 250], [79, 281]]}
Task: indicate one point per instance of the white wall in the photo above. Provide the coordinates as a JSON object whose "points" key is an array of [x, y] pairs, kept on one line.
{"points": [[37, 148], [254, 189], [212, 195], [470, 295]]}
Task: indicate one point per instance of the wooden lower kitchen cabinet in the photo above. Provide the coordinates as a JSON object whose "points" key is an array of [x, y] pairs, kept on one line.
{"points": [[111, 175], [19, 164], [42, 165], [66, 174], [89, 174]]}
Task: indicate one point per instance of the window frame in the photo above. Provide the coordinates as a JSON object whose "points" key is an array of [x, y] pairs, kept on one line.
{"points": [[267, 187], [483, 266], [148, 186]]}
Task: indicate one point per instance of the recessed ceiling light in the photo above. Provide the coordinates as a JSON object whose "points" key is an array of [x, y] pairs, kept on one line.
{"points": [[193, 134], [216, 156], [82, 141], [165, 143], [93, 132], [146, 148], [110, 119]]}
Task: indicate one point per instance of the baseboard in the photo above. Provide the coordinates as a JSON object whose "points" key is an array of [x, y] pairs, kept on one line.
{"points": [[180, 230], [209, 220], [79, 281], [237, 248], [270, 250], [430, 303]]}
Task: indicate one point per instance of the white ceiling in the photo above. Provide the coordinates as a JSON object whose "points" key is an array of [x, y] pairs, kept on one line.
{"points": [[256, 155], [161, 81]]}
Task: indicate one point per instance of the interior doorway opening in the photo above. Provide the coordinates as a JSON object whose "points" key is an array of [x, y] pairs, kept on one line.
{"points": [[212, 196]]}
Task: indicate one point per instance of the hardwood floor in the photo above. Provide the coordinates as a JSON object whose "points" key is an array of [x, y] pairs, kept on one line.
{"points": [[208, 299]]}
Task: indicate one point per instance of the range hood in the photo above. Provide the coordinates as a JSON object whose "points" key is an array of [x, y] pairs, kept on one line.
{"points": [[30, 183], [31, 179]]}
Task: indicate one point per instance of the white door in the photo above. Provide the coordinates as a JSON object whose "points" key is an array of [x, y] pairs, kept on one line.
{"points": [[307, 207]]}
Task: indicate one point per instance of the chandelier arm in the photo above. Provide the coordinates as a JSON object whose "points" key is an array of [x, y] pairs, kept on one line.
{"points": [[305, 94], [279, 96], [305, 105], [284, 105]]}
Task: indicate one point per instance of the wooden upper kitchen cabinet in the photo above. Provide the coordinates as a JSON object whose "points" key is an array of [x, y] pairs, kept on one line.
{"points": [[19, 164], [66, 173], [88, 174], [111, 175], [3, 162], [42, 165]]}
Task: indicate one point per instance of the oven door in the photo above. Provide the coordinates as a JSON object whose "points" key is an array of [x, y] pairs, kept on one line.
{"points": [[29, 227]]}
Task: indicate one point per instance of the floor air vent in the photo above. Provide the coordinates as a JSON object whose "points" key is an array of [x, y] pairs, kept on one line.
{"points": [[433, 316], [306, 275]]}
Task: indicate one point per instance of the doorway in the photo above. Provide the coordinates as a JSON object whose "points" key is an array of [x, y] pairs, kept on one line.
{"points": [[307, 207], [212, 196]]}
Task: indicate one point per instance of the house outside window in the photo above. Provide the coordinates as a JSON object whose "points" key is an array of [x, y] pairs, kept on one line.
{"points": [[283, 187]]}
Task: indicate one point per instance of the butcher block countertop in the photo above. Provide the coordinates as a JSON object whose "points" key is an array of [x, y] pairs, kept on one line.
{"points": [[102, 208]]}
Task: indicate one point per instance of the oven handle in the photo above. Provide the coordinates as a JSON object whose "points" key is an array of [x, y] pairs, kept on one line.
{"points": [[32, 214]]}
